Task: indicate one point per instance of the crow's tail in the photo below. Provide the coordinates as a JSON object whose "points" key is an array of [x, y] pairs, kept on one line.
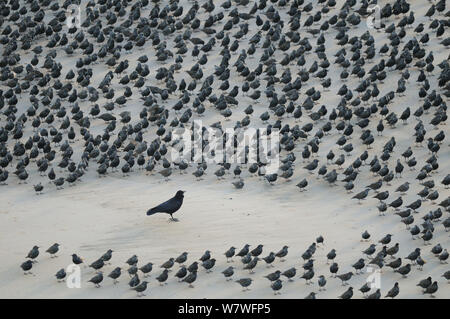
{"points": [[152, 211]]}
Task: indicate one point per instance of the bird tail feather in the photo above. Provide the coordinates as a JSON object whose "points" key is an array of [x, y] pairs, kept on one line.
{"points": [[152, 211]]}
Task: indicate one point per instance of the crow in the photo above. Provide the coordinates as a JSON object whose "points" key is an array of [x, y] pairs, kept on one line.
{"points": [[170, 206]]}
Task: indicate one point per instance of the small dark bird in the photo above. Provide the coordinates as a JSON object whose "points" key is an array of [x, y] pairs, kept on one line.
{"points": [[60, 275], [365, 288], [375, 295], [193, 267], [38, 188], [302, 185], [393, 292], [181, 273], [26, 267], [98, 264], [404, 270], [362, 195], [245, 283], [141, 288], [190, 278], [146, 269], [359, 265], [331, 255], [431, 289], [228, 273], [443, 257], [132, 270], [53, 249], [33, 253], [115, 274], [386, 239], [276, 286], [348, 294], [370, 250], [76, 259], [182, 258], [269, 259], [290, 273], [334, 269], [168, 264], [133, 260], [209, 264], [425, 283], [312, 295], [365, 236], [257, 251], [163, 277], [107, 256], [230, 253], [97, 279], [251, 265], [322, 282], [282, 253], [206, 255], [308, 275], [244, 251], [345, 277]]}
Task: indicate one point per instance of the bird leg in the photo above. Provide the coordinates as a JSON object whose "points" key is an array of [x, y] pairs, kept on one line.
{"points": [[172, 219]]}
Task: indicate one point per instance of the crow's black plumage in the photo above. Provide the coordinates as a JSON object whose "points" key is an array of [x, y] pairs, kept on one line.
{"points": [[170, 206]]}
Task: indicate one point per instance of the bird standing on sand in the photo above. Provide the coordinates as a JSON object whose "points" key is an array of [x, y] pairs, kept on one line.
{"points": [[244, 251], [60, 275], [163, 277], [322, 282], [168, 264], [115, 274], [182, 258], [269, 259], [431, 289], [191, 278], [393, 292], [345, 277], [26, 267], [290, 273], [365, 236], [282, 253], [170, 206], [181, 273], [52, 250], [97, 279], [209, 264], [76, 259], [230, 253], [133, 260], [276, 286], [146, 269], [107, 256], [348, 294], [245, 282], [34, 252], [228, 273], [141, 288]]}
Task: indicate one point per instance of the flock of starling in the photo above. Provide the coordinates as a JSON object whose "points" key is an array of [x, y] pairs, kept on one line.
{"points": [[140, 70], [249, 267]]}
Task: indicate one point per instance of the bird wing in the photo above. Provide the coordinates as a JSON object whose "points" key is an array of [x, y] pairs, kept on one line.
{"points": [[169, 206]]}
